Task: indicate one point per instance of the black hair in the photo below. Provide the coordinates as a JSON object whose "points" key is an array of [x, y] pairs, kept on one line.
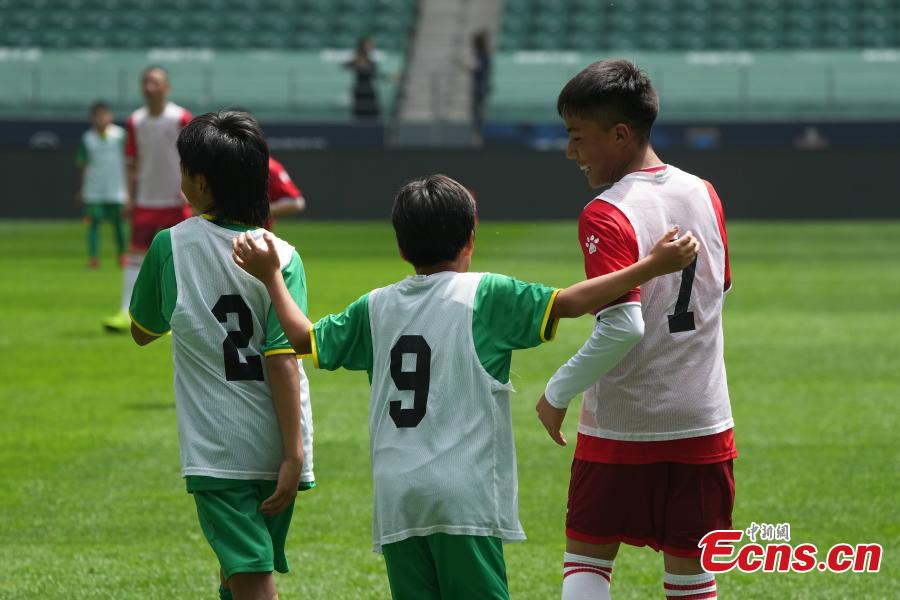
{"points": [[611, 91], [433, 218], [155, 68], [97, 106], [361, 50], [481, 42], [229, 150]]}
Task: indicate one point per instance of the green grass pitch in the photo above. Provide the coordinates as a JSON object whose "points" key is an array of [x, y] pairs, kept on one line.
{"points": [[92, 506]]}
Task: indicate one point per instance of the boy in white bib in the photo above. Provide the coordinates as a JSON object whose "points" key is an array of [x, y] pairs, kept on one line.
{"points": [[437, 347]]}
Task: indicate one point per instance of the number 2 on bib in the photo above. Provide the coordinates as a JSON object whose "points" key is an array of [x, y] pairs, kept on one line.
{"points": [[238, 368], [417, 381]]}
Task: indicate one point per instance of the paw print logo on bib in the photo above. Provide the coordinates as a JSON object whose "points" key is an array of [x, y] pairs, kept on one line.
{"points": [[591, 243]]}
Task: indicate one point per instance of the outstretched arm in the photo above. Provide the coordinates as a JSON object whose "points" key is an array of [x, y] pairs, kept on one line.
{"points": [[263, 263], [287, 206], [667, 256], [616, 332]]}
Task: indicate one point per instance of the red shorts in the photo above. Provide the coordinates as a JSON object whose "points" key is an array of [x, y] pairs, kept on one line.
{"points": [[147, 222], [667, 506]]}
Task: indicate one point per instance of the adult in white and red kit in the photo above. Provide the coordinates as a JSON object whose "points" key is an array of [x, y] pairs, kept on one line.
{"points": [[154, 177], [653, 462]]}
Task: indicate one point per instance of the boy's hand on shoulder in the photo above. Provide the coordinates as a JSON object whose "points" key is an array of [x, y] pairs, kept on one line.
{"points": [[285, 490], [261, 262], [552, 418], [671, 253]]}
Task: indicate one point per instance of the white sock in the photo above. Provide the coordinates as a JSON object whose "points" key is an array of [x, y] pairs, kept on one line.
{"points": [[132, 268], [586, 578], [690, 587]]}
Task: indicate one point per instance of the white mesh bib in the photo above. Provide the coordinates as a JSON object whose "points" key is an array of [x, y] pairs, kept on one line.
{"points": [[671, 385], [227, 425], [443, 458]]}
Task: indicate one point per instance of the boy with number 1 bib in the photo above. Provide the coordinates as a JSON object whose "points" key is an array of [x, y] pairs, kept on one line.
{"points": [[437, 347], [653, 462]]}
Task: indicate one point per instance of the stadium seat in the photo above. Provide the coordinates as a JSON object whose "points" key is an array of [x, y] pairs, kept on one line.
{"points": [[131, 23], [719, 24]]}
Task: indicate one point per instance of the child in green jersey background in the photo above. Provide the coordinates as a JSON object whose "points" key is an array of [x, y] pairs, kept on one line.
{"points": [[437, 347], [236, 381], [101, 158]]}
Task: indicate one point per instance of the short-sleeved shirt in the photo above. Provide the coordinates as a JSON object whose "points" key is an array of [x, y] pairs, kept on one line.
{"points": [[280, 183], [222, 325], [281, 187], [155, 291], [103, 157], [152, 143], [609, 242], [508, 314], [615, 230], [438, 350]]}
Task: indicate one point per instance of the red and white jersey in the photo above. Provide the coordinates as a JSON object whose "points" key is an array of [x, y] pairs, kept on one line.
{"points": [[151, 141], [281, 188], [672, 384], [281, 185]]}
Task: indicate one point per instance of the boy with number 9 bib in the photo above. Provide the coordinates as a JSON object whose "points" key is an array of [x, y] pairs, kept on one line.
{"points": [[236, 380], [437, 347]]}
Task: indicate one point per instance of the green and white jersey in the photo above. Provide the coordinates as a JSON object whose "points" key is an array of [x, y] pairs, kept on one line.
{"points": [[103, 157], [222, 325], [438, 350]]}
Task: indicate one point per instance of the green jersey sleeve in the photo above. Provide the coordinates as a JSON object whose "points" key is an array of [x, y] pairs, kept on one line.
{"points": [[508, 315], [344, 340], [295, 279], [154, 295]]}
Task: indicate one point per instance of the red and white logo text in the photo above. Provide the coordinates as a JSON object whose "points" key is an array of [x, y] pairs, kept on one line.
{"points": [[721, 552]]}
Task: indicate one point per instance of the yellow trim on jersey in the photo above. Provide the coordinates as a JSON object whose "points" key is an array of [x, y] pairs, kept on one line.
{"points": [[554, 325], [213, 219], [312, 345], [144, 329], [275, 351]]}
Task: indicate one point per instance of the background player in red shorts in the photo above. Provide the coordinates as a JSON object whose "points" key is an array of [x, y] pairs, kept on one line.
{"points": [[154, 177], [653, 463]]}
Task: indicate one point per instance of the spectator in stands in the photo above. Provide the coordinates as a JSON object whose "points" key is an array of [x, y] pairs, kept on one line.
{"points": [[365, 96], [481, 79]]}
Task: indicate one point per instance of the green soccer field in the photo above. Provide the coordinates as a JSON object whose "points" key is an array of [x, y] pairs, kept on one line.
{"points": [[92, 505]]}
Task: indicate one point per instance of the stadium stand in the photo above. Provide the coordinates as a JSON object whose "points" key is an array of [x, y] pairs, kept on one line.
{"points": [[276, 85], [717, 86], [739, 60], [224, 24], [661, 25], [282, 58]]}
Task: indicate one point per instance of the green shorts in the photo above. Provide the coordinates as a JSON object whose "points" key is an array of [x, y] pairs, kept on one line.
{"points": [[100, 211], [445, 567], [244, 540]]}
